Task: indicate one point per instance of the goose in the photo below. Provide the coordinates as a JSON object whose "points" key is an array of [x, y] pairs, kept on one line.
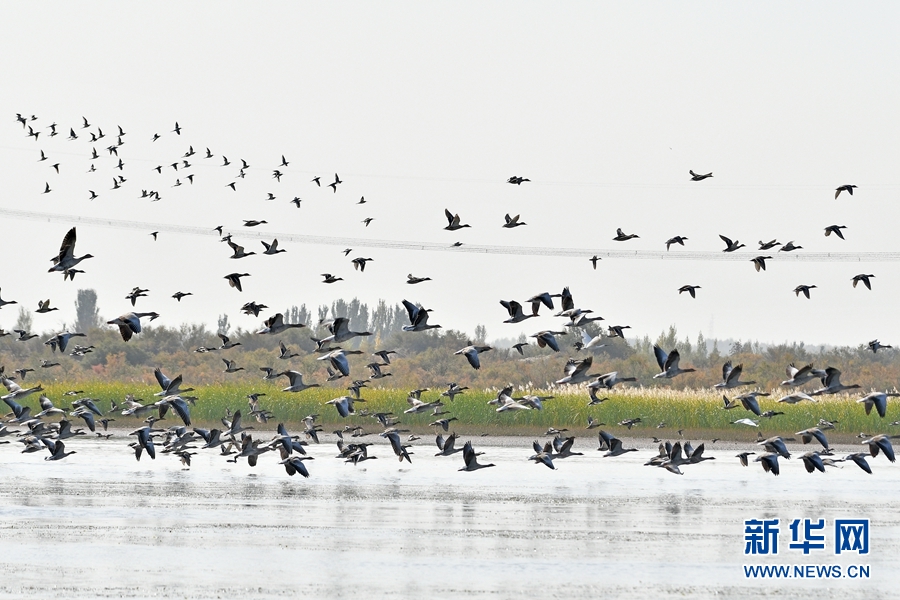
{"points": [[397, 446], [135, 294], [296, 382], [376, 371], [16, 392], [344, 405], [44, 307], [470, 457], [576, 371], [130, 323], [587, 342], [24, 336], [417, 406], [882, 443], [668, 363], [144, 441], [610, 380], [789, 247], [512, 222], [443, 423], [230, 366], [65, 430], [836, 230], [776, 445], [690, 289], [227, 344], [731, 377], [743, 458], [807, 435], [750, 402], [875, 346], [795, 398], [238, 250], [446, 446], [748, 422], [729, 245], [385, 355], [170, 387], [453, 221], [622, 237], [594, 260], [293, 464], [360, 263], [802, 375], [66, 258], [859, 459], [515, 312], [729, 404], [843, 188], [516, 180], [61, 340], [471, 353], [338, 360], [542, 455], [340, 331], [178, 406], [285, 353], [453, 390], [547, 338], [535, 402], [46, 364], [768, 245], [699, 177], [253, 223], [329, 278], [563, 446], [760, 262], [333, 185], [275, 324], [865, 279], [418, 318], [234, 280], [804, 289], [832, 383], [769, 463], [57, 450], [412, 279], [617, 331], [616, 448], [5, 302], [678, 239], [878, 400], [47, 408]]}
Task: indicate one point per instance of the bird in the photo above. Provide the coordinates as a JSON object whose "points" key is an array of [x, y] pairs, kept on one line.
{"points": [[796, 397], [698, 177], [865, 279], [760, 262], [177, 129], [130, 323], [296, 382], [57, 450], [668, 363], [807, 435], [234, 280], [453, 221], [875, 346], [515, 311], [179, 295], [368, 220], [878, 400], [470, 457], [594, 259], [576, 371], [678, 239], [729, 245], [622, 237], [337, 181], [340, 331], [548, 338], [690, 289], [230, 366], [843, 188], [832, 383], [882, 443], [329, 278], [835, 229], [412, 279], [769, 462], [804, 289], [512, 222], [418, 318], [472, 352], [516, 180], [66, 258], [789, 247], [360, 263], [275, 324], [44, 307], [731, 377], [768, 245], [253, 223], [238, 250]]}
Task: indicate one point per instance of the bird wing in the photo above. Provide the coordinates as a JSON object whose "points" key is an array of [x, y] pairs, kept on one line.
{"points": [[661, 357]]}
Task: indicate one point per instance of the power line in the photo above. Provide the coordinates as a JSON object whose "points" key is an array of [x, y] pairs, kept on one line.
{"points": [[464, 248]]}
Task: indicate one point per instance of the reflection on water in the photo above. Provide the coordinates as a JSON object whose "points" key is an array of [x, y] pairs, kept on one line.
{"points": [[100, 524]]}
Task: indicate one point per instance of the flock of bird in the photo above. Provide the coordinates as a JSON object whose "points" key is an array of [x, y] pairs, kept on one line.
{"points": [[234, 440]]}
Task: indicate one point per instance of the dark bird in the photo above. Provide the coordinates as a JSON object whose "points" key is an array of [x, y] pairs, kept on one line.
{"points": [[337, 181], [177, 129], [412, 279], [594, 260], [865, 279], [803, 289], [698, 177], [760, 262], [179, 295], [678, 239], [622, 237], [234, 280], [517, 180], [512, 222], [729, 245], [843, 188], [453, 221], [690, 289], [836, 230], [154, 234], [329, 278], [768, 245]]}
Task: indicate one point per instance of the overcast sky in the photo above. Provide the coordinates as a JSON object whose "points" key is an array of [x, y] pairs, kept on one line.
{"points": [[425, 106]]}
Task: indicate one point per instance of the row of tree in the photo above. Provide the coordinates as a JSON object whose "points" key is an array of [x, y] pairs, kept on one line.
{"points": [[422, 359]]}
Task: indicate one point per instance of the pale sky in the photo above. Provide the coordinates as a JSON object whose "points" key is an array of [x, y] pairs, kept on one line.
{"points": [[425, 106]]}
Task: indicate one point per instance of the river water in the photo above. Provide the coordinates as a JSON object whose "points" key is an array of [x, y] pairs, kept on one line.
{"points": [[100, 524]]}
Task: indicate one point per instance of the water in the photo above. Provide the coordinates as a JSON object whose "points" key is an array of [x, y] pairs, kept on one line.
{"points": [[100, 524]]}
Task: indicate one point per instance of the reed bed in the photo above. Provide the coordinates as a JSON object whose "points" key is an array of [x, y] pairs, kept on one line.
{"points": [[698, 412]]}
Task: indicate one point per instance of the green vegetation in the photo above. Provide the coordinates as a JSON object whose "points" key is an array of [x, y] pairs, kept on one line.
{"points": [[699, 413]]}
